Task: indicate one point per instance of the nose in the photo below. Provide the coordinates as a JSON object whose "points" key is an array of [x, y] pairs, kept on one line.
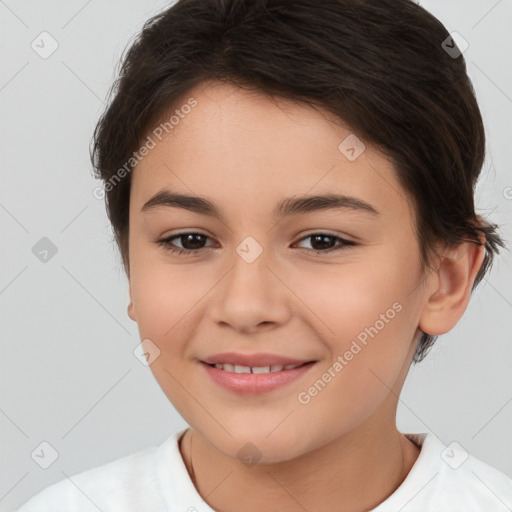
{"points": [[252, 296]]}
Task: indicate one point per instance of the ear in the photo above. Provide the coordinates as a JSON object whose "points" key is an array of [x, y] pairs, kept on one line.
{"points": [[450, 292], [131, 313], [131, 309]]}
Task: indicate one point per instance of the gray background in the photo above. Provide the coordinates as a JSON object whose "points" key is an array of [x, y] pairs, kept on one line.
{"points": [[68, 375]]}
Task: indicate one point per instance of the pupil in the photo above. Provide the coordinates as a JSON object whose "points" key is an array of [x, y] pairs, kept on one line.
{"points": [[326, 241], [196, 241], [318, 241]]}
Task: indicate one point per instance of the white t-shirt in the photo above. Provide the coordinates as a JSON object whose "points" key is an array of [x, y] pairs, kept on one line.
{"points": [[443, 479]]}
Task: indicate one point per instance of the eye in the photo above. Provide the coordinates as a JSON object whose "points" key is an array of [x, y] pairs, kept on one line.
{"points": [[326, 243], [191, 243]]}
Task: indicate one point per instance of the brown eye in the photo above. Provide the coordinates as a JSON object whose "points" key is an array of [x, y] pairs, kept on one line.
{"points": [[191, 242], [325, 242]]}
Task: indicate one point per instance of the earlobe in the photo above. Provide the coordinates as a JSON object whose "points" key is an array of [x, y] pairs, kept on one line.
{"points": [[130, 309], [131, 313], [454, 278]]}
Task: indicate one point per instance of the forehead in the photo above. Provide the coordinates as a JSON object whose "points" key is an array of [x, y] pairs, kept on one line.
{"points": [[247, 150]]}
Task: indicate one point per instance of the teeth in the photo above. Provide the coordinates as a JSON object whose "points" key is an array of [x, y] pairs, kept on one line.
{"points": [[260, 369], [255, 369], [242, 369]]}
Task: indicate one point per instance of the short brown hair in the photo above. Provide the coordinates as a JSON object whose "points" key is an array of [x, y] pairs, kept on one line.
{"points": [[379, 66]]}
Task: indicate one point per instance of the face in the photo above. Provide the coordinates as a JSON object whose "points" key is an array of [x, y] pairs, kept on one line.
{"points": [[334, 284]]}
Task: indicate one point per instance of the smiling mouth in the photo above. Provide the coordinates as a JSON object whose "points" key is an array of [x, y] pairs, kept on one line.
{"points": [[255, 380], [257, 369]]}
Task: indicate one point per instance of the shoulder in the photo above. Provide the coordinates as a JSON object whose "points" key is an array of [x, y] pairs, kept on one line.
{"points": [[449, 479], [126, 484], [468, 483]]}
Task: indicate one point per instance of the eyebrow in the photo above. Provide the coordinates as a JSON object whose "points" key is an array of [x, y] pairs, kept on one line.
{"points": [[287, 207]]}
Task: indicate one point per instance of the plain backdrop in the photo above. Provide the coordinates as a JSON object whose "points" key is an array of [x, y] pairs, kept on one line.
{"points": [[68, 373]]}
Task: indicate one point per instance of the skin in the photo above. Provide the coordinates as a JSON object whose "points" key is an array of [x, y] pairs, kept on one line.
{"points": [[342, 450]]}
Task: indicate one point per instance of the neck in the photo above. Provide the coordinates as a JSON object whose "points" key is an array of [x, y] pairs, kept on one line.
{"points": [[354, 472]]}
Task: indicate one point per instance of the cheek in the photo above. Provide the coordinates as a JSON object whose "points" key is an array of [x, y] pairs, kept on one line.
{"points": [[350, 297], [167, 300], [166, 296], [370, 316]]}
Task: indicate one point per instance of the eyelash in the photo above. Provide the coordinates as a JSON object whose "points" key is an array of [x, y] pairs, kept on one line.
{"points": [[166, 243]]}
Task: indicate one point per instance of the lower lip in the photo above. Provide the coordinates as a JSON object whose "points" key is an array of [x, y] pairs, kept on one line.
{"points": [[256, 383]]}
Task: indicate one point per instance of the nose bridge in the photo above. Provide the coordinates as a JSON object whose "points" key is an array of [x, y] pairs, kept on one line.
{"points": [[250, 274], [250, 293]]}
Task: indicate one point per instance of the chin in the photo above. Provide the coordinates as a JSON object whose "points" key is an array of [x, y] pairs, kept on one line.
{"points": [[257, 446]]}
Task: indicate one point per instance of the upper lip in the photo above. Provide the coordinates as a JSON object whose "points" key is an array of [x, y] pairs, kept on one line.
{"points": [[253, 360]]}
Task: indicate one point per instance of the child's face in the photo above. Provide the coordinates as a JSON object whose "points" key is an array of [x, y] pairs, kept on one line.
{"points": [[247, 155]]}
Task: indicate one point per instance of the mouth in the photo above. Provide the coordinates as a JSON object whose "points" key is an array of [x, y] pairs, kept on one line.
{"points": [[256, 380], [235, 368]]}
